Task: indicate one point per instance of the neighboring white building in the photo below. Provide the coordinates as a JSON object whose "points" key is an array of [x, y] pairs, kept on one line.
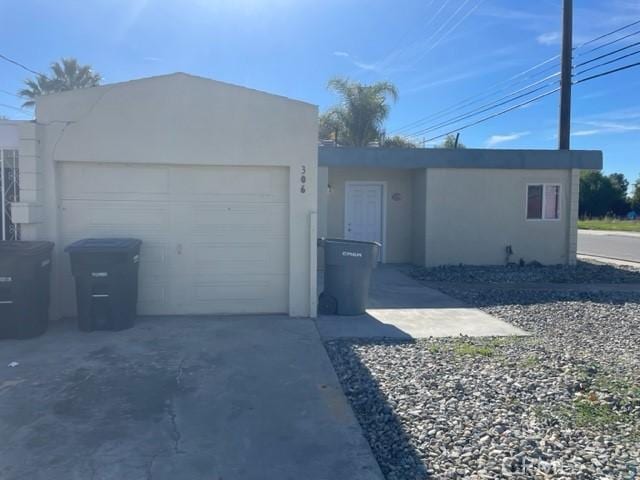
{"points": [[221, 183]]}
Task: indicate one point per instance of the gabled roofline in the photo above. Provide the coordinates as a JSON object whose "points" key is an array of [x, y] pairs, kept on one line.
{"points": [[375, 157], [175, 74]]}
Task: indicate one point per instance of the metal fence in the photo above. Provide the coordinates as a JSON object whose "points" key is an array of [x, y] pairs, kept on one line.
{"points": [[10, 191]]}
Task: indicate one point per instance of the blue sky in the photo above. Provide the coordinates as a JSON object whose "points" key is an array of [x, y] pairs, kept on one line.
{"points": [[437, 52]]}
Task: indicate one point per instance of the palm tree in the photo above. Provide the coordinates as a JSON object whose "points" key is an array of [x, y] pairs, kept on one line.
{"points": [[362, 111], [67, 74]]}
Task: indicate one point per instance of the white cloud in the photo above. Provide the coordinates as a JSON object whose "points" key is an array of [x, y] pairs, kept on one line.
{"points": [[549, 38], [494, 140], [367, 66], [585, 133], [611, 122], [361, 65]]}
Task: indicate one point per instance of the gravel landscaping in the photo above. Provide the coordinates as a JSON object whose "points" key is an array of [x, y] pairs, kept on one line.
{"points": [[583, 272], [563, 403]]}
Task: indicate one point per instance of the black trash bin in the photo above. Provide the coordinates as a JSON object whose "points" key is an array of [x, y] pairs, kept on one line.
{"points": [[106, 274], [25, 269], [347, 274]]}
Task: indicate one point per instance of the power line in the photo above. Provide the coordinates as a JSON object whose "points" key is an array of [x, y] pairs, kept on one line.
{"points": [[442, 26], [396, 51], [9, 93], [497, 114], [462, 19], [14, 108], [617, 59], [498, 102], [608, 34], [473, 99], [608, 72], [24, 67], [608, 43], [607, 54], [539, 97], [477, 98], [490, 106]]}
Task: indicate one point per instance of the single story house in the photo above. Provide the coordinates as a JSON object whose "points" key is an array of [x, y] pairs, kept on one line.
{"points": [[432, 207], [228, 191]]}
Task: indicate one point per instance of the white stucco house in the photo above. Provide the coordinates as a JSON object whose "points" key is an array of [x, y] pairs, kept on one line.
{"points": [[228, 191]]}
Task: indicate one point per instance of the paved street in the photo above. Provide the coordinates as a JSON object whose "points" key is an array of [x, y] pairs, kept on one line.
{"points": [[617, 245]]}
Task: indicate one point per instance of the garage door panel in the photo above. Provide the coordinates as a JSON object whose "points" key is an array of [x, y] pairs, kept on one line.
{"points": [[119, 218], [230, 184], [265, 215], [153, 298], [237, 294], [112, 181], [258, 258], [215, 239]]}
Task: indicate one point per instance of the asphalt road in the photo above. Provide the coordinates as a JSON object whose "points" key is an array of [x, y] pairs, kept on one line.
{"points": [[616, 245]]}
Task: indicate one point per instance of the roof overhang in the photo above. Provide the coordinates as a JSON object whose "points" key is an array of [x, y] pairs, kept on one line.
{"points": [[374, 157]]}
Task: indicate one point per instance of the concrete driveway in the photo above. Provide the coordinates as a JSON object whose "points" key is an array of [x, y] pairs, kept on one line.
{"points": [[403, 308], [614, 245], [178, 398]]}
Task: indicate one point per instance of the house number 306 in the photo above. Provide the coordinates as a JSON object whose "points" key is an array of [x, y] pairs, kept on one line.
{"points": [[303, 179]]}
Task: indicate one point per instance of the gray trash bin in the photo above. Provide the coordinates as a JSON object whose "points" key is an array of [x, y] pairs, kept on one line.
{"points": [[347, 273]]}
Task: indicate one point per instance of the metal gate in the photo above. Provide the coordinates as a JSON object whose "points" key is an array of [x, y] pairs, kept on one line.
{"points": [[10, 192]]}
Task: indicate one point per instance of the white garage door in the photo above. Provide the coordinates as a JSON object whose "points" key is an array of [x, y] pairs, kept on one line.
{"points": [[215, 239]]}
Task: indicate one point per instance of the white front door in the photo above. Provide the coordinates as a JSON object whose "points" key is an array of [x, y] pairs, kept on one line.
{"points": [[363, 212]]}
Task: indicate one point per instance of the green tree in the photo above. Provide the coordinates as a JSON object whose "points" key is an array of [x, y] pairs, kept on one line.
{"points": [[330, 126], [398, 142], [602, 195], [635, 198], [362, 110], [450, 142], [67, 74]]}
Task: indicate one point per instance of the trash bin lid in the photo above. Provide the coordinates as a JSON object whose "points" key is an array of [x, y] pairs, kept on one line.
{"points": [[98, 245], [17, 247], [343, 241]]}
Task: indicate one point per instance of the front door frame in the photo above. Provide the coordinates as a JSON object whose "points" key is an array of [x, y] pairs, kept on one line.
{"points": [[383, 197]]}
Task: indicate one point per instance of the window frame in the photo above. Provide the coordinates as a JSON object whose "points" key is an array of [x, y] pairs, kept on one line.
{"points": [[544, 201]]}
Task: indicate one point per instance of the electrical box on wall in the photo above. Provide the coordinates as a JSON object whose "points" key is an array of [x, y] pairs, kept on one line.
{"points": [[25, 213]]}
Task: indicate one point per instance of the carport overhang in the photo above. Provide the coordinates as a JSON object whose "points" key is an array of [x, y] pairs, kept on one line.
{"points": [[459, 158]]}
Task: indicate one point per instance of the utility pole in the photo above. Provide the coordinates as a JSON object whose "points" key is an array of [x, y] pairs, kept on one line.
{"points": [[564, 130]]}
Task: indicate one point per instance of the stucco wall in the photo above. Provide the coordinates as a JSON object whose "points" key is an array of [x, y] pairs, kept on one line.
{"points": [[398, 212], [184, 120], [9, 134], [473, 214], [419, 183], [323, 200]]}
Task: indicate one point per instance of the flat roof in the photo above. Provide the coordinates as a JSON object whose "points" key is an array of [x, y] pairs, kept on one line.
{"points": [[375, 157]]}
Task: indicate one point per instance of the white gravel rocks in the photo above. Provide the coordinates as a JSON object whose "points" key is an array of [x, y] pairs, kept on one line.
{"points": [[583, 272], [564, 403]]}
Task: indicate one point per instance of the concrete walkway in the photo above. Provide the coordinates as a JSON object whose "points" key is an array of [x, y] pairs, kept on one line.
{"points": [[240, 398], [402, 308]]}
